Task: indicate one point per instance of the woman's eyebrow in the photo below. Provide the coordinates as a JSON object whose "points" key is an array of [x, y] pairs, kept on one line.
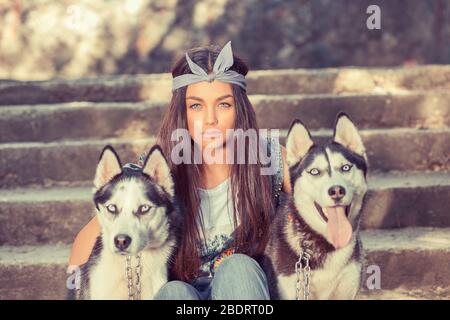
{"points": [[195, 98], [224, 97], [218, 99]]}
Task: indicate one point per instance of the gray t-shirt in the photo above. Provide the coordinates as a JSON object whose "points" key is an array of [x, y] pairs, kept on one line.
{"points": [[217, 217]]}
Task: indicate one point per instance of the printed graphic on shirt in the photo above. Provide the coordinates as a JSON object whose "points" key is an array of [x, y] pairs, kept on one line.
{"points": [[218, 237]]}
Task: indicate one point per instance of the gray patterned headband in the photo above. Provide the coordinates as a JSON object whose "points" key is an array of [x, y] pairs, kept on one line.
{"points": [[220, 71]]}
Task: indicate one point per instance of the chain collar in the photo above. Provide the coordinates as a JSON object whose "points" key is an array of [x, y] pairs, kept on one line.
{"points": [[303, 274], [134, 289], [302, 267]]}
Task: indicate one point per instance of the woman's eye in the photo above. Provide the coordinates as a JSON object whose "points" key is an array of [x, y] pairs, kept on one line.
{"points": [[314, 172], [225, 105], [144, 208], [346, 168], [195, 106], [112, 208]]}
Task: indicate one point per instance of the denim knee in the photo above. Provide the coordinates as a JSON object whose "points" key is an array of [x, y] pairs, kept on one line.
{"points": [[237, 262], [177, 290], [240, 277]]}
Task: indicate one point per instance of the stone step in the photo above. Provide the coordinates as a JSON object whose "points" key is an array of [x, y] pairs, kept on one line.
{"points": [[351, 80], [423, 293], [410, 257], [62, 162], [56, 215], [46, 164], [413, 259], [158, 86], [79, 120]]}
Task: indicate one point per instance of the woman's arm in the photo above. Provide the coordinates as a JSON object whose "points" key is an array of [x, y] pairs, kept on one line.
{"points": [[84, 243], [286, 179]]}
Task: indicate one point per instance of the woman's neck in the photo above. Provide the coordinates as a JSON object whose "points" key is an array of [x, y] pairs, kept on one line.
{"points": [[214, 174]]}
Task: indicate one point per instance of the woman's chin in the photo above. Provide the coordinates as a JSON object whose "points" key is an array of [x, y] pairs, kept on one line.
{"points": [[212, 143]]}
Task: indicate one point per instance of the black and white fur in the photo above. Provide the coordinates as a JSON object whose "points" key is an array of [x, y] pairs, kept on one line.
{"points": [[336, 273], [138, 206]]}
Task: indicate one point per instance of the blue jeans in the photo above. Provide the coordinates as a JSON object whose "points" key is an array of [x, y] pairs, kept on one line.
{"points": [[238, 277]]}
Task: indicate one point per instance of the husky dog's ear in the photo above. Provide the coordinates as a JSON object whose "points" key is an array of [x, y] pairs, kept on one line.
{"points": [[346, 134], [108, 166], [157, 168], [298, 142]]}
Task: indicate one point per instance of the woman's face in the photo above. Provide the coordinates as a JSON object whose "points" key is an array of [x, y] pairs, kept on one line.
{"points": [[211, 110]]}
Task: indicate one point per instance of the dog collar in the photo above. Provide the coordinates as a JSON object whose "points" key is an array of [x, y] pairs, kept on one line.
{"points": [[131, 169]]}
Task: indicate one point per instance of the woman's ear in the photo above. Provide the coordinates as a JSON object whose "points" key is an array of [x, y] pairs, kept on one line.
{"points": [[108, 167], [298, 142], [158, 169]]}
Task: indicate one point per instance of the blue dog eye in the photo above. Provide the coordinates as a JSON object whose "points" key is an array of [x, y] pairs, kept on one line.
{"points": [[112, 208], [144, 209], [346, 168], [314, 172]]}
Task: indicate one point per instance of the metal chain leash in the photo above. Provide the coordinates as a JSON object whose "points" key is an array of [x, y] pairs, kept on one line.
{"points": [[138, 278], [134, 289], [303, 274], [130, 278]]}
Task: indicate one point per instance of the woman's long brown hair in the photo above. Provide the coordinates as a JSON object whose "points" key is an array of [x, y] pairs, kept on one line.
{"points": [[255, 205]]}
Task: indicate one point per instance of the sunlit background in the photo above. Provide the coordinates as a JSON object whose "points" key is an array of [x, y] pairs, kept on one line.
{"points": [[41, 39]]}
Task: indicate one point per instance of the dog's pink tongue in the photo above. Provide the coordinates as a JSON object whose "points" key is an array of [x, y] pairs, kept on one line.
{"points": [[339, 228]]}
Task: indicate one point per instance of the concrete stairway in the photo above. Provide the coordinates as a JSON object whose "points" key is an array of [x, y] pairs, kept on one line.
{"points": [[52, 132]]}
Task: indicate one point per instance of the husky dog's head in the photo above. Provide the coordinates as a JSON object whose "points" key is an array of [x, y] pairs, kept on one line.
{"points": [[134, 205], [329, 181]]}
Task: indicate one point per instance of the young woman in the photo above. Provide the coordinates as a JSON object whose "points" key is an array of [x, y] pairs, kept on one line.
{"points": [[227, 205]]}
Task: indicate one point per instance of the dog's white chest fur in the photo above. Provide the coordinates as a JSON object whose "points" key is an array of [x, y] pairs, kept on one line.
{"points": [[337, 279], [108, 279]]}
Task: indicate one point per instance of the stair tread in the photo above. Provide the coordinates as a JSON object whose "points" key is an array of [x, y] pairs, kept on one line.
{"points": [[110, 80], [73, 143], [322, 71], [79, 105], [283, 133], [254, 98], [414, 239], [423, 293], [42, 254]]}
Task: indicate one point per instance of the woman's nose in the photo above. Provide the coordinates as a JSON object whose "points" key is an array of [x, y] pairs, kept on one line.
{"points": [[211, 116]]}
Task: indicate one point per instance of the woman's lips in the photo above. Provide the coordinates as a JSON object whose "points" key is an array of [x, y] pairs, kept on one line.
{"points": [[211, 133]]}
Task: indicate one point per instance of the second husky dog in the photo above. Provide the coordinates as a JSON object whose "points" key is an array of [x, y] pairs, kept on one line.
{"points": [[314, 249], [139, 220]]}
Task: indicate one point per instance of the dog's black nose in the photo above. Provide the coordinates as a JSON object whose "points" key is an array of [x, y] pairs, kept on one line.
{"points": [[336, 192], [122, 241]]}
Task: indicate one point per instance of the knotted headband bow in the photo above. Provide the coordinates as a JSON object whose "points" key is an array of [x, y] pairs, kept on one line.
{"points": [[220, 71]]}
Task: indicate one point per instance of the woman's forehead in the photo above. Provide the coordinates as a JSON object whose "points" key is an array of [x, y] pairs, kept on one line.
{"points": [[209, 90]]}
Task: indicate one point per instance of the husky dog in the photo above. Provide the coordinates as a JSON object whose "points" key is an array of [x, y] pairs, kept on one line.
{"points": [[139, 220], [320, 217]]}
